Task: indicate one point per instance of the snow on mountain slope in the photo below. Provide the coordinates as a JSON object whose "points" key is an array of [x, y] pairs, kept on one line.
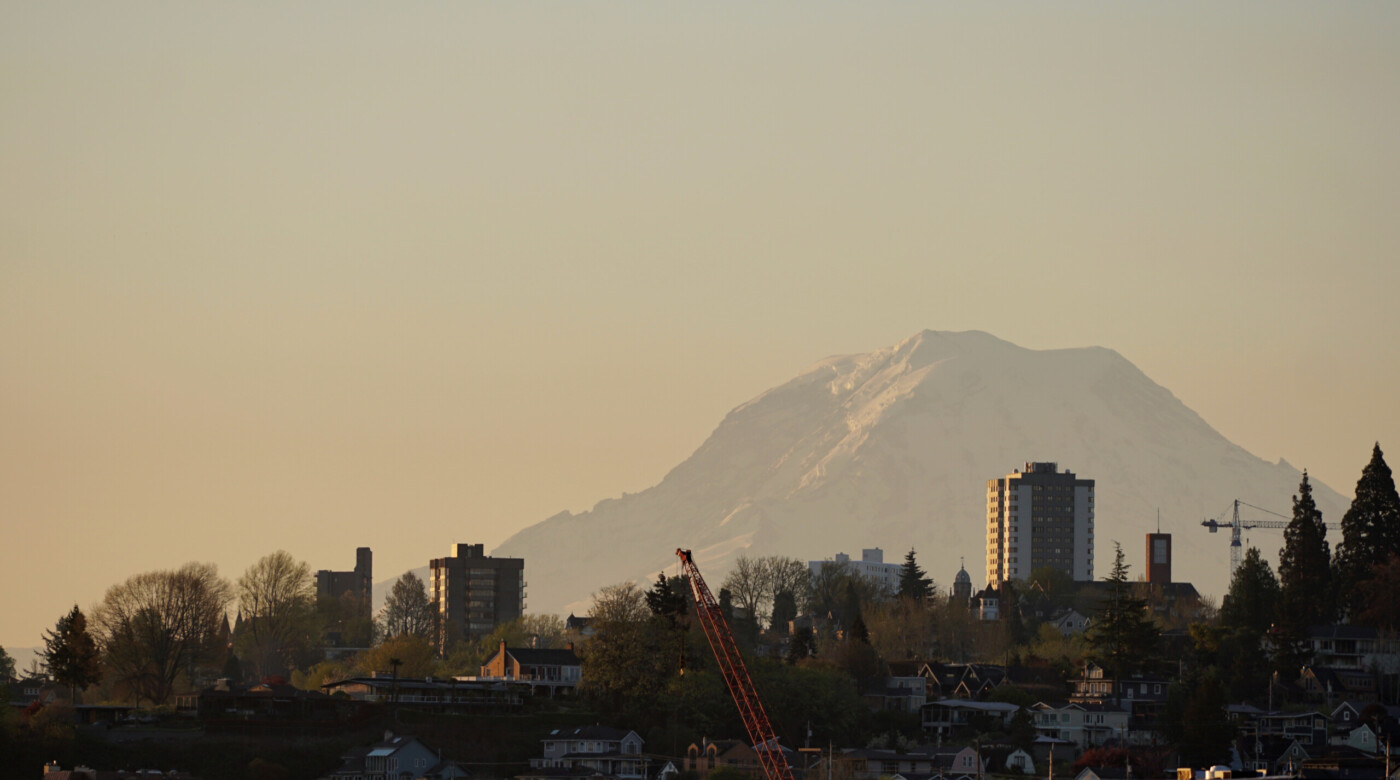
{"points": [[894, 448]]}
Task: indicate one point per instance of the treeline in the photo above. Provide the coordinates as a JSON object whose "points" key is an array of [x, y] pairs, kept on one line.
{"points": [[167, 632]]}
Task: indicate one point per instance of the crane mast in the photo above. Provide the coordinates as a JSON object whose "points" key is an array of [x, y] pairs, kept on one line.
{"points": [[736, 675]]}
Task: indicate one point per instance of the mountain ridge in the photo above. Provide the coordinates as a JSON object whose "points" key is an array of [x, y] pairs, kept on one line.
{"points": [[893, 448]]}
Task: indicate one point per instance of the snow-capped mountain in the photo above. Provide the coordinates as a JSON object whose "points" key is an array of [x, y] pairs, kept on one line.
{"points": [[893, 449]]}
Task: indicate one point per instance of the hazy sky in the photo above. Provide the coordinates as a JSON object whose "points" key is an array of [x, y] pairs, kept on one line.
{"points": [[404, 275]]}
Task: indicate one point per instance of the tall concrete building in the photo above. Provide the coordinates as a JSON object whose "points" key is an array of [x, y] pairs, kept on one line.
{"points": [[358, 583], [474, 593], [1036, 518]]}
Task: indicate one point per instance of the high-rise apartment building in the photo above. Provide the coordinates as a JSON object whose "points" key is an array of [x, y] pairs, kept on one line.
{"points": [[473, 593], [1036, 518], [358, 583]]}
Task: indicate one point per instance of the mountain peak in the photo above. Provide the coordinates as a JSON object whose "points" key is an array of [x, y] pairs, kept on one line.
{"points": [[893, 448]]}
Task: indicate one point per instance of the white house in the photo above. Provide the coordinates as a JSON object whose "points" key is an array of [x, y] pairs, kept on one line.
{"points": [[606, 751]]}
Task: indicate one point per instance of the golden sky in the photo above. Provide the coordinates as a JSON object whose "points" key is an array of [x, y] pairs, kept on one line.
{"points": [[319, 275]]}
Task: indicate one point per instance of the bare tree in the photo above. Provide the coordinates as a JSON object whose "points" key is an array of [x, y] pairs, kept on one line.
{"points": [[789, 575], [407, 610], [277, 599], [156, 625], [751, 585]]}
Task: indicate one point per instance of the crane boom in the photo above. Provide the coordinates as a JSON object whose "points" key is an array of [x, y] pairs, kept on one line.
{"points": [[1235, 525], [736, 675]]}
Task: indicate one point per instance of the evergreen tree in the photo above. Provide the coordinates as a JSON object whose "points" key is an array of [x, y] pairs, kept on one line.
{"points": [[801, 646], [784, 610], [1252, 602], [859, 631], [1203, 729], [1381, 595], [70, 653], [1370, 531], [1305, 582], [913, 582], [1122, 637], [7, 666], [665, 601], [1305, 564]]}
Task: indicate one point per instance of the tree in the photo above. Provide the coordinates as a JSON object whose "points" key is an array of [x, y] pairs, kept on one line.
{"points": [[749, 584], [1305, 580], [70, 653], [277, 599], [784, 610], [913, 582], [1381, 595], [7, 666], [407, 610], [157, 625], [626, 664], [1370, 530], [902, 629], [412, 654], [1196, 710], [1252, 601], [1305, 563], [666, 601], [801, 646], [788, 575], [1122, 637]]}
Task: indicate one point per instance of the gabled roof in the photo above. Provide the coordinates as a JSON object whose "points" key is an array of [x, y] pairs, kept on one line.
{"points": [[601, 733], [536, 657]]}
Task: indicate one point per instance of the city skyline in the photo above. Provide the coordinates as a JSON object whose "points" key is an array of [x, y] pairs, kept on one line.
{"points": [[425, 276]]}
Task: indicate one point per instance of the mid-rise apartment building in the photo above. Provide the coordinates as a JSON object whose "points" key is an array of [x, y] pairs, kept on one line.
{"points": [[871, 566], [1040, 517], [473, 593]]}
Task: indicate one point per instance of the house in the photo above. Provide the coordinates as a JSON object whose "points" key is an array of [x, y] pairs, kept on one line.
{"points": [[1354, 647], [1095, 685], [986, 605], [948, 717], [1309, 728], [962, 681], [870, 763], [896, 694], [32, 689], [1103, 773], [583, 626], [1272, 754], [1070, 622], [1020, 761], [1088, 725], [589, 751], [555, 671], [709, 754], [1330, 683], [397, 757]]}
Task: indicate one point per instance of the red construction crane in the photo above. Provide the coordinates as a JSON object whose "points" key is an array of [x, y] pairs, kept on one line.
{"points": [[736, 675]]}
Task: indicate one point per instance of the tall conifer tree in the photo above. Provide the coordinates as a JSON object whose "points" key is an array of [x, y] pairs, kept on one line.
{"points": [[1305, 565], [1252, 603], [913, 582], [1122, 637], [1370, 531], [70, 653]]}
